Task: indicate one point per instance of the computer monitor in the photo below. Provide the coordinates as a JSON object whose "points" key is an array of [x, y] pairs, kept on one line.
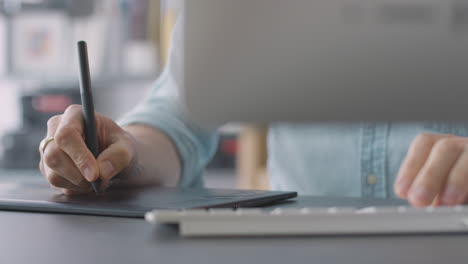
{"points": [[326, 60]]}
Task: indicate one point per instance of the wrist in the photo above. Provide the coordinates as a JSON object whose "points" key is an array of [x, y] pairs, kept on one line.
{"points": [[157, 160]]}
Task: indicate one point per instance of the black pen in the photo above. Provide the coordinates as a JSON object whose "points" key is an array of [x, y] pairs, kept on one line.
{"points": [[88, 106]]}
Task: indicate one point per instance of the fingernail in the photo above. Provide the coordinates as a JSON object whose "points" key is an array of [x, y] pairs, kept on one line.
{"points": [[420, 195], [107, 170], [452, 195], [88, 174]]}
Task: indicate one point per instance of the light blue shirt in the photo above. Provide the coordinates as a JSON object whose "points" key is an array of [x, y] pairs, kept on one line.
{"points": [[355, 160]]}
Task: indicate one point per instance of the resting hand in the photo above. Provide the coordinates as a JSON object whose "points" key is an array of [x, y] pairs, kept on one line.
{"points": [[435, 171], [67, 163]]}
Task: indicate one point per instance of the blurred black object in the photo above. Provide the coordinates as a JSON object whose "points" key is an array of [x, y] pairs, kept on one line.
{"points": [[20, 148]]}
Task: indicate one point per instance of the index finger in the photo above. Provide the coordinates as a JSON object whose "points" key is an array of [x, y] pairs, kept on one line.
{"points": [[69, 137]]}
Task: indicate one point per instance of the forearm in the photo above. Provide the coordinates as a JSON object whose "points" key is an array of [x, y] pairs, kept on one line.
{"points": [[157, 161]]}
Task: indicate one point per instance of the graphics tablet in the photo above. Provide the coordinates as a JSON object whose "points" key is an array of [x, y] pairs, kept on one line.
{"points": [[39, 197]]}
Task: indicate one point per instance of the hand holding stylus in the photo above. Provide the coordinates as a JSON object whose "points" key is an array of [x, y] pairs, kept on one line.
{"points": [[69, 165], [82, 147], [71, 157]]}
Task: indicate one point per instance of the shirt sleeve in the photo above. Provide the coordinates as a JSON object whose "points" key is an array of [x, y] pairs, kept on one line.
{"points": [[162, 109]]}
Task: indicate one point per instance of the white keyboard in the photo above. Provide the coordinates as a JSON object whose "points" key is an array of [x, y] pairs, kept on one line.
{"points": [[314, 221]]}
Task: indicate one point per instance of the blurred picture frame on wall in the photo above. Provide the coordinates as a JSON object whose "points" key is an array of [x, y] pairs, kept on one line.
{"points": [[39, 43]]}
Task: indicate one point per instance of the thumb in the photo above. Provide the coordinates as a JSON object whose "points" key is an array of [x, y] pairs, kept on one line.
{"points": [[115, 158]]}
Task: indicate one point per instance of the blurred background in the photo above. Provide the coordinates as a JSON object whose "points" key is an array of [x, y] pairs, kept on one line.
{"points": [[128, 43]]}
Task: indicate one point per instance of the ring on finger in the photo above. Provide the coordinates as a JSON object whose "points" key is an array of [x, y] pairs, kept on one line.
{"points": [[44, 143]]}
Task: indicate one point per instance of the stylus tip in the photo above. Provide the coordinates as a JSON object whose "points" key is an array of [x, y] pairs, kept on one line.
{"points": [[96, 186]]}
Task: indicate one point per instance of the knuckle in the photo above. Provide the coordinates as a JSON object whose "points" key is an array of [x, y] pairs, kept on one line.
{"points": [[424, 138], [52, 156], [446, 145], [124, 155], [63, 136], [53, 121], [73, 108]]}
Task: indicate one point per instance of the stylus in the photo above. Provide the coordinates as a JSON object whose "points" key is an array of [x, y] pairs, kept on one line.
{"points": [[91, 138]]}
